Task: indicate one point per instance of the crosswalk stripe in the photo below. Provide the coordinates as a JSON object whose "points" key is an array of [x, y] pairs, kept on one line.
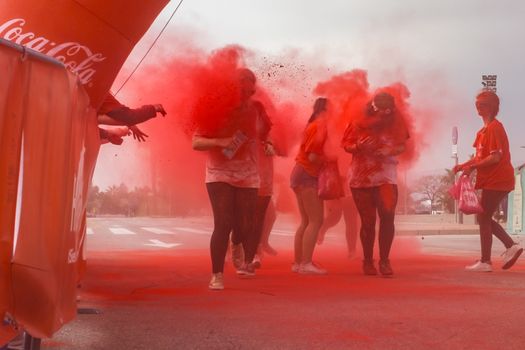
{"points": [[158, 231], [121, 231], [286, 233], [282, 231], [89, 231], [282, 234], [160, 244], [193, 230]]}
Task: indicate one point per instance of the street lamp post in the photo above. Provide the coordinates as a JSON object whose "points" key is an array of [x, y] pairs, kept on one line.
{"points": [[459, 216]]}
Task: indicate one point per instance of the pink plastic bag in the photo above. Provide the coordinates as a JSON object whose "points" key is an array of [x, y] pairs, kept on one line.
{"points": [[468, 199], [329, 181]]}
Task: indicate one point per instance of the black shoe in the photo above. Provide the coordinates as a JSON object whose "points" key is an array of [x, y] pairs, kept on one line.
{"points": [[368, 268], [385, 268]]}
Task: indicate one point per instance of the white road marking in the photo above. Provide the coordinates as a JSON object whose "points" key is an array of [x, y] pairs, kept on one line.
{"points": [[121, 231], [193, 230], [286, 233], [158, 231], [89, 231], [282, 234], [160, 244]]}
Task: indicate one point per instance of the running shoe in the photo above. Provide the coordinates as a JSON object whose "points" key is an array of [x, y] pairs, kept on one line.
{"points": [[479, 266], [311, 268], [511, 255], [217, 281]]}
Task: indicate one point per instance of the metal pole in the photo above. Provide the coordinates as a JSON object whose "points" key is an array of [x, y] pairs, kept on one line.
{"points": [[455, 200], [458, 214], [406, 192]]}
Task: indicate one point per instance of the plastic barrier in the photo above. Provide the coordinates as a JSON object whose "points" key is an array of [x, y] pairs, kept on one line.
{"points": [[49, 143], [48, 148]]}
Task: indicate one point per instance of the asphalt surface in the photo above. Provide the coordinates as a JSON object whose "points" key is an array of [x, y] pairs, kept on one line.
{"points": [[148, 279]]}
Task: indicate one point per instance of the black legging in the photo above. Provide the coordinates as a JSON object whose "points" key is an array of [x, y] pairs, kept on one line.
{"points": [[490, 201], [262, 206], [251, 242], [383, 200], [233, 209]]}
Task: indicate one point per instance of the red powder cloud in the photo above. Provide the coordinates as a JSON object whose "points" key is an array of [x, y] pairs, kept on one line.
{"points": [[198, 89], [349, 93]]}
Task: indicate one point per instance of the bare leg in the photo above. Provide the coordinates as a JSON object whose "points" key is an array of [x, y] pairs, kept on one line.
{"points": [[299, 233], [333, 213], [269, 220], [314, 209]]}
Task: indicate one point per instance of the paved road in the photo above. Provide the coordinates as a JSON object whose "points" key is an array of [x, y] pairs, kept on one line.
{"points": [[149, 279], [121, 233]]}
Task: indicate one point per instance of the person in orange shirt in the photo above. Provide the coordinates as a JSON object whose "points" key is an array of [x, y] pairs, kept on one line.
{"points": [[304, 182], [495, 178]]}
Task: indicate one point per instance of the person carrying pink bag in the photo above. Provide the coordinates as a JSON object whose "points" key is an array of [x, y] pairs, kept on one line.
{"points": [[495, 179]]}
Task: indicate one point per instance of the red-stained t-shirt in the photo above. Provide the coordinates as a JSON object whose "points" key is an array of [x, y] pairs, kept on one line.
{"points": [[500, 176], [369, 170], [314, 137], [242, 170]]}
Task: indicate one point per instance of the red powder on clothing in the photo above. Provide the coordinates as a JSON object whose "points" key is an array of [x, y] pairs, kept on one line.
{"points": [[349, 93]]}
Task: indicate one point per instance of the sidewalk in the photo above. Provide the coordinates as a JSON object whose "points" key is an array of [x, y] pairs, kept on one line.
{"points": [[159, 300]]}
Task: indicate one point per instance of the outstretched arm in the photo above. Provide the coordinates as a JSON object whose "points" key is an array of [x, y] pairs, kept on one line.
{"points": [[128, 116], [138, 134]]}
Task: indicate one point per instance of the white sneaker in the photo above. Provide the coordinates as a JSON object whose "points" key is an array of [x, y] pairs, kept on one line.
{"points": [[511, 255], [311, 269], [246, 270], [256, 262], [479, 266], [295, 267], [217, 281], [237, 255]]}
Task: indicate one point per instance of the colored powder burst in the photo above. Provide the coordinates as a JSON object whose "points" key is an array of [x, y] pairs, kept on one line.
{"points": [[198, 89], [349, 93]]}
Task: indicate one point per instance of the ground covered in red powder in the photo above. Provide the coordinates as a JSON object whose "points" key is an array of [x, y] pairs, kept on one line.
{"points": [[161, 301]]}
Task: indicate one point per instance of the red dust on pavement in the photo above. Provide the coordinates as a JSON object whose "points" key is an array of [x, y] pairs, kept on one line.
{"points": [[430, 303]]}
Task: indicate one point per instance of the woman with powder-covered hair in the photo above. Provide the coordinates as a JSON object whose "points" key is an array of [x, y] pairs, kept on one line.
{"points": [[232, 177], [304, 182], [375, 140]]}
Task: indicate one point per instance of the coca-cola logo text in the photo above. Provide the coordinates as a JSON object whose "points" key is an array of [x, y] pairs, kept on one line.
{"points": [[76, 57]]}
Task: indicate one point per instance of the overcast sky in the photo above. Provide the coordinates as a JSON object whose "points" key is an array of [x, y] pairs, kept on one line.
{"points": [[439, 46]]}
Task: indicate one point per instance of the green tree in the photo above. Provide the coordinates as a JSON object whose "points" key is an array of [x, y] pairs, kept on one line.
{"points": [[115, 200], [94, 200], [445, 198], [429, 187], [434, 188]]}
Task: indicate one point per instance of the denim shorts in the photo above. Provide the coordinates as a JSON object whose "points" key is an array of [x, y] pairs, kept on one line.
{"points": [[300, 178]]}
